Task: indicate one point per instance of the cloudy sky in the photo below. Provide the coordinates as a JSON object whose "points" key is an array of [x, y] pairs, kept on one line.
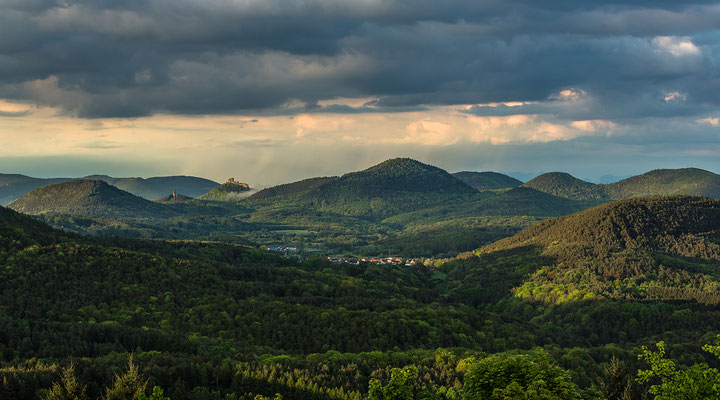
{"points": [[271, 91]]}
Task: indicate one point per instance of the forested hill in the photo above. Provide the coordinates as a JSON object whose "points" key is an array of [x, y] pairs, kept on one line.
{"points": [[688, 181], [88, 198], [660, 247], [157, 187], [651, 223], [291, 189], [395, 175], [691, 181], [487, 180], [393, 186], [17, 231], [14, 186], [565, 185]]}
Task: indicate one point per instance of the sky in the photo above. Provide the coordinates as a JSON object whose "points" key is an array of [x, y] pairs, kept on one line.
{"points": [[271, 91]]}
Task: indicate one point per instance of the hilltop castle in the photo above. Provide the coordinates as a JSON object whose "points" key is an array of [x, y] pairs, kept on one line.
{"points": [[232, 181]]}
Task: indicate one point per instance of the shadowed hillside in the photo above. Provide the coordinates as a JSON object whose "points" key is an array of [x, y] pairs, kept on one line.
{"points": [[487, 180], [565, 185], [88, 198], [290, 189], [157, 187], [391, 187]]}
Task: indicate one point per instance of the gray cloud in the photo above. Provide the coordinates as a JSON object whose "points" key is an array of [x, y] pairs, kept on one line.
{"points": [[139, 57]]}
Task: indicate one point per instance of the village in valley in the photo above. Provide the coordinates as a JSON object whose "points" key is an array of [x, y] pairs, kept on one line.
{"points": [[409, 262], [291, 251]]}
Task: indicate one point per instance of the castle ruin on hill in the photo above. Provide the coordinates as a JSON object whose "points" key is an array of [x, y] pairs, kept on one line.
{"points": [[232, 181]]}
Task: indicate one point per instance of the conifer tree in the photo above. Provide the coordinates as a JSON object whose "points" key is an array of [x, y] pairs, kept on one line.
{"points": [[128, 386], [69, 388]]}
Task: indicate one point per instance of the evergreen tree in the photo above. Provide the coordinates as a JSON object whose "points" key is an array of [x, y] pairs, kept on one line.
{"points": [[128, 386], [68, 388]]}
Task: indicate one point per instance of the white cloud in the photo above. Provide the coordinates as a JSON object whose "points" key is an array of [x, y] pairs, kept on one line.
{"points": [[677, 46], [593, 125], [675, 96], [571, 95], [431, 133], [712, 121]]}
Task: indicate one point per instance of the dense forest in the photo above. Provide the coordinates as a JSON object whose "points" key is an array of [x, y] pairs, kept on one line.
{"points": [[532, 316]]}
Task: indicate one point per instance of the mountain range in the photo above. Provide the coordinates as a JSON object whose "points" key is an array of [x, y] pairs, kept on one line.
{"points": [[399, 205], [14, 186]]}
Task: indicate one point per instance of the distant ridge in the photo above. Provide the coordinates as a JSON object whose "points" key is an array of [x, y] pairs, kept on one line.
{"points": [[157, 187], [14, 186], [688, 181], [391, 187], [565, 185], [395, 175], [92, 198], [487, 180]]}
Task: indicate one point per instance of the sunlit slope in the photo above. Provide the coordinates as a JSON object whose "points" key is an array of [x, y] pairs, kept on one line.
{"points": [[687, 181], [660, 247]]}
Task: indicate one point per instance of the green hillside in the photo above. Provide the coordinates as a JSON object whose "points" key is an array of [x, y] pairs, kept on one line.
{"points": [[14, 186], [157, 187], [290, 189], [565, 185], [212, 321], [689, 181], [487, 180], [216, 321], [391, 187], [661, 247], [226, 192], [88, 198]]}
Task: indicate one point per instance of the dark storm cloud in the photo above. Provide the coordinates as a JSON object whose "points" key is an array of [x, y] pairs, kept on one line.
{"points": [[139, 57]]}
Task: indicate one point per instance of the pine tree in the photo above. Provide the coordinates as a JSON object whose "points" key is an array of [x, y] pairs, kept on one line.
{"points": [[128, 386], [68, 388]]}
